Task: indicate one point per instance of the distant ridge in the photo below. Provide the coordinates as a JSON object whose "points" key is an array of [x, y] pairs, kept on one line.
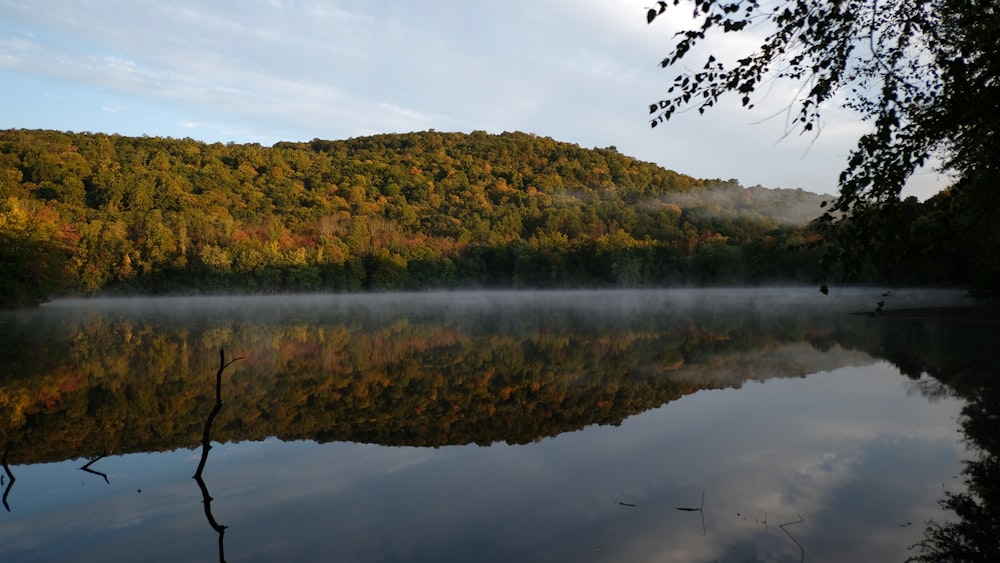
{"points": [[404, 211]]}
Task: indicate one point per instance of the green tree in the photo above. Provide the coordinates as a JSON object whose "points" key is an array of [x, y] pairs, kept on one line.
{"points": [[399, 211], [922, 72], [34, 254]]}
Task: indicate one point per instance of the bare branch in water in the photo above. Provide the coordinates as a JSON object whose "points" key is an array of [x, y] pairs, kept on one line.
{"points": [[86, 467], [10, 477], [802, 550], [206, 444], [699, 509]]}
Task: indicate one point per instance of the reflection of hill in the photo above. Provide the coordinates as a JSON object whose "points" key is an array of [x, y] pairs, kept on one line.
{"points": [[87, 385], [960, 353]]}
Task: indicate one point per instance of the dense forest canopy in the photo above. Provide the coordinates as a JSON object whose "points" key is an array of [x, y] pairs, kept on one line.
{"points": [[411, 211], [83, 213]]}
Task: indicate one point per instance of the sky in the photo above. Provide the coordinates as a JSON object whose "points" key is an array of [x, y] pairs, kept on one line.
{"points": [[263, 71]]}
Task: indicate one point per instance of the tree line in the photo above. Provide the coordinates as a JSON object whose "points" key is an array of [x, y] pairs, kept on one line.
{"points": [[140, 214], [85, 213]]}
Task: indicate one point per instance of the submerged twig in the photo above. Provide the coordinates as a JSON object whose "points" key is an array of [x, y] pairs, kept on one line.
{"points": [[699, 509], [206, 444], [10, 476], [86, 467], [700, 506], [802, 550]]}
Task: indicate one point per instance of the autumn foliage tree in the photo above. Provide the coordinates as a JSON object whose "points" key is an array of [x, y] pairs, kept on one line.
{"points": [[403, 211], [34, 252]]}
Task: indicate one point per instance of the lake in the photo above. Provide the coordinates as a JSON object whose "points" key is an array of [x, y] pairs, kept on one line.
{"points": [[631, 425]]}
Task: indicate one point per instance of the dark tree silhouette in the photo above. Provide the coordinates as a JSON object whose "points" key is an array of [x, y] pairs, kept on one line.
{"points": [[924, 73]]}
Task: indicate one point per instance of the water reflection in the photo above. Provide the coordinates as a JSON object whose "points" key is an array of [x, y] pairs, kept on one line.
{"points": [[600, 443], [87, 468], [455, 371], [206, 445], [976, 503], [700, 510], [9, 477]]}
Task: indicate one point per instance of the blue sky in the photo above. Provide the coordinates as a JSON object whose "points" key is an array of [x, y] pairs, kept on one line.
{"points": [[580, 71]]}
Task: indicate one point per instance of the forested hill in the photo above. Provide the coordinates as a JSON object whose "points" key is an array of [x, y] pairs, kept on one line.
{"points": [[85, 213]]}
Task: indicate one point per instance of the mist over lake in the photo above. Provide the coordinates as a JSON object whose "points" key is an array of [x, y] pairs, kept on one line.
{"points": [[589, 425]]}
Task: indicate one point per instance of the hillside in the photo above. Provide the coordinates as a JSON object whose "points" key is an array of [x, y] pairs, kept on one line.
{"points": [[85, 213]]}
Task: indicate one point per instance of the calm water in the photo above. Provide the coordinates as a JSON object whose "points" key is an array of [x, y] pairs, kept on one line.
{"points": [[695, 425]]}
